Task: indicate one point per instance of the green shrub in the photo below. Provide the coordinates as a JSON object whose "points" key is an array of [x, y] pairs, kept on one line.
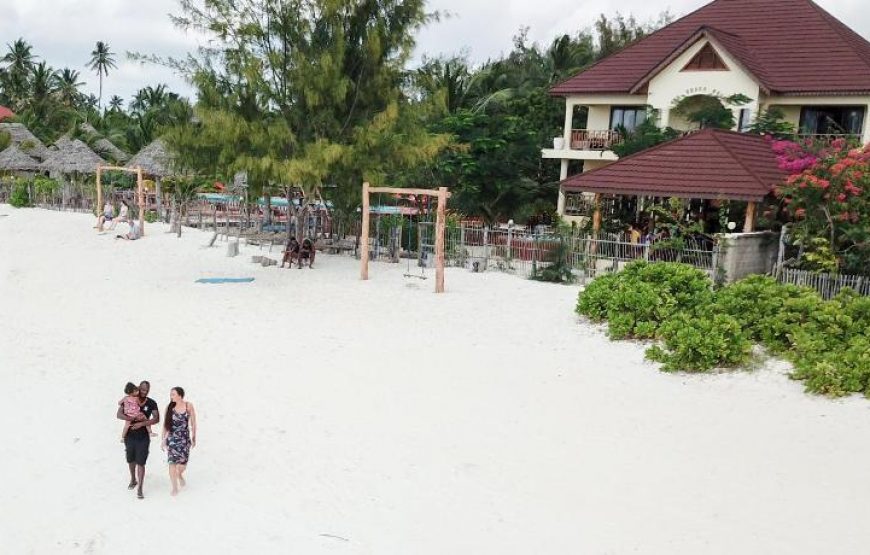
{"points": [[699, 344], [828, 342], [637, 300], [151, 216], [758, 303], [558, 270], [20, 196]]}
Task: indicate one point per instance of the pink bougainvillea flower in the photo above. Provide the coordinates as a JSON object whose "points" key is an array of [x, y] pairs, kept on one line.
{"points": [[841, 197]]}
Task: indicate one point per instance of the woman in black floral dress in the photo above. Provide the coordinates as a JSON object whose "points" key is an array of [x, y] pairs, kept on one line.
{"points": [[179, 435]]}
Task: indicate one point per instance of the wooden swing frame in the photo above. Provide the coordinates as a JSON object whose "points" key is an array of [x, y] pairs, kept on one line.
{"points": [[441, 216], [139, 186]]}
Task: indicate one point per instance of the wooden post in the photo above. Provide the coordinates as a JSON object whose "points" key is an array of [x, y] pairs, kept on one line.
{"points": [[364, 235], [439, 239], [141, 201], [596, 216], [99, 190], [749, 223]]}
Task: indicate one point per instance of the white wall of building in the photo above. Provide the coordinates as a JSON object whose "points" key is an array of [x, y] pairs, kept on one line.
{"points": [[672, 84]]}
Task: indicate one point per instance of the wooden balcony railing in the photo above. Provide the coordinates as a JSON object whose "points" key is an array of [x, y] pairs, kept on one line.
{"points": [[828, 137], [594, 139]]}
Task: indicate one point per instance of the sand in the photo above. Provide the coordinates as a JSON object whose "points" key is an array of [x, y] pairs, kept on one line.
{"points": [[339, 416]]}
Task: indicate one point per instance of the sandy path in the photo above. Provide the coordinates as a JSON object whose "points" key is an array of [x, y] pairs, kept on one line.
{"points": [[339, 416]]}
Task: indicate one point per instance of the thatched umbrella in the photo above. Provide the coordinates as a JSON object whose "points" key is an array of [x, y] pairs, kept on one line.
{"points": [[156, 161], [72, 157], [25, 140], [104, 146], [14, 160]]}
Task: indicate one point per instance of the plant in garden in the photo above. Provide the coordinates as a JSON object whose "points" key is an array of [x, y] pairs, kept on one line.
{"points": [[20, 195], [700, 343], [827, 197]]}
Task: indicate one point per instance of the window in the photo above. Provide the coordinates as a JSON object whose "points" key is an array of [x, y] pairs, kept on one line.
{"points": [[628, 117], [832, 120], [743, 123], [706, 60]]}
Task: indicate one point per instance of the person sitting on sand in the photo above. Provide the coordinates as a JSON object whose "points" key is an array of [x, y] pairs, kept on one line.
{"points": [[130, 404], [122, 215], [306, 252], [291, 252], [106, 216], [134, 233]]}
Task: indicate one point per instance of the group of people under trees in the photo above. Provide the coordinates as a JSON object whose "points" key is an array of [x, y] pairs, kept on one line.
{"points": [[108, 217], [139, 412], [294, 250]]}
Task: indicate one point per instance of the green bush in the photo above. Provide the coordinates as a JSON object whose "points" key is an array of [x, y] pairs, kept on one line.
{"points": [[637, 300], [699, 344], [20, 196], [759, 304], [828, 342]]}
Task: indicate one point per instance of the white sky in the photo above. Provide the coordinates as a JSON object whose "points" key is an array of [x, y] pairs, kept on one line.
{"points": [[63, 32]]}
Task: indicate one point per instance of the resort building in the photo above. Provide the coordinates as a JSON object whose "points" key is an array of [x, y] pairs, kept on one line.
{"points": [[788, 54]]}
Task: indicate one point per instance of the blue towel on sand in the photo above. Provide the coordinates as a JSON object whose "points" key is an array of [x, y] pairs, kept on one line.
{"points": [[225, 280]]}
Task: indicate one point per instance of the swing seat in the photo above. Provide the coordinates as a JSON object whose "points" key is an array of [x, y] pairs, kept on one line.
{"points": [[415, 276]]}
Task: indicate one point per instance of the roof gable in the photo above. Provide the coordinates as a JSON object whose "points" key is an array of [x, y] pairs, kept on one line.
{"points": [[790, 46], [706, 59], [712, 164]]}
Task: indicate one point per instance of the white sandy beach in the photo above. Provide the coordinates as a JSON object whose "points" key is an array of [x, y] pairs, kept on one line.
{"points": [[340, 416]]}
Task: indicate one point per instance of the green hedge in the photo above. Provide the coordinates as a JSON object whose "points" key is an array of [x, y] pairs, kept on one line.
{"points": [[699, 329]]}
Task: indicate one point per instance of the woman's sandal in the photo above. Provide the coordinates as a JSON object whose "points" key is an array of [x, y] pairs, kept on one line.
{"points": [[140, 496]]}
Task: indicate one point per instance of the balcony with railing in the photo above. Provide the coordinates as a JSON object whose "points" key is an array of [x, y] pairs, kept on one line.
{"points": [[594, 139]]}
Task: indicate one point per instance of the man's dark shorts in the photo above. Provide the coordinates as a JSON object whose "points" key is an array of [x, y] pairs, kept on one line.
{"points": [[137, 449]]}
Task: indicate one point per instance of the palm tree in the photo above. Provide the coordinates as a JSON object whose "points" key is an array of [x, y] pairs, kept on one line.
{"points": [[19, 59], [101, 60], [42, 82], [116, 103], [67, 84]]}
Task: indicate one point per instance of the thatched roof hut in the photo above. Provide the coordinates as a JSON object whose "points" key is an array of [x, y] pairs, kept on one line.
{"points": [[14, 160], [154, 160], [72, 156], [25, 140], [103, 146]]}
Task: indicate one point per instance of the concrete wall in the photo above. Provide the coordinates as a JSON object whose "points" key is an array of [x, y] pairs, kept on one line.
{"points": [[743, 254]]}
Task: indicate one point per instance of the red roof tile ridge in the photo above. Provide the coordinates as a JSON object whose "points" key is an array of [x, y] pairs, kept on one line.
{"points": [[630, 45], [643, 152], [840, 29], [736, 158], [711, 32]]}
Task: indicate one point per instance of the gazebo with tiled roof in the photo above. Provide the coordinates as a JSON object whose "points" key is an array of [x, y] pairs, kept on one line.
{"points": [[708, 164]]}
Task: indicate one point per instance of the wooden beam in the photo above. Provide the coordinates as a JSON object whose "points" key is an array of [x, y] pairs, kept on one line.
{"points": [[596, 216], [440, 224], [749, 222], [364, 234], [141, 187], [99, 191], [399, 191]]}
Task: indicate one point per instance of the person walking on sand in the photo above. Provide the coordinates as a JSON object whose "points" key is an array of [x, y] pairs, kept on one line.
{"points": [[137, 440], [179, 435]]}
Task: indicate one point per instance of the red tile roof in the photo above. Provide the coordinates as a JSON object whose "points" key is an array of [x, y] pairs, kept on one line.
{"points": [[790, 46], [6, 113], [708, 164]]}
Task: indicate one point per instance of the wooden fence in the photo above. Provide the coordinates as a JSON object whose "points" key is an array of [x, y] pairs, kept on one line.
{"points": [[827, 285]]}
